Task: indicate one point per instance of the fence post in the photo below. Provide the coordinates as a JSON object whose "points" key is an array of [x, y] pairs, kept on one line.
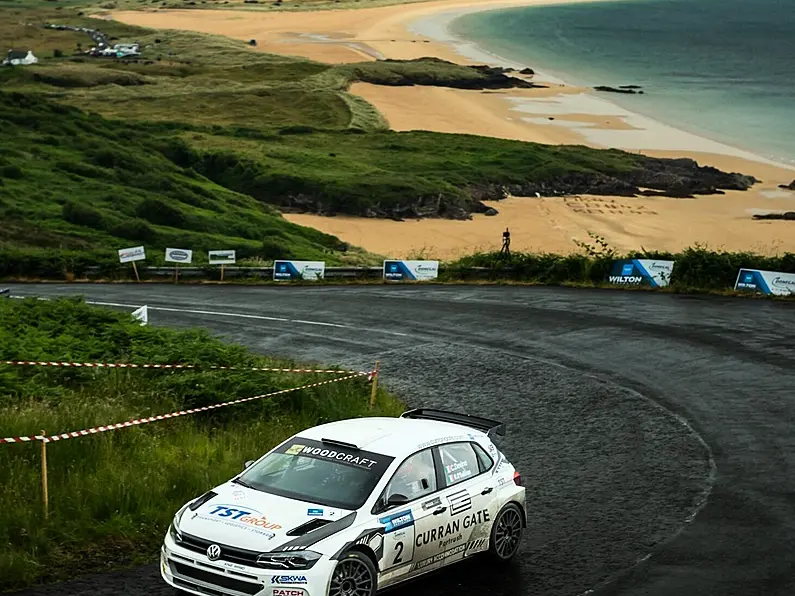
{"points": [[375, 385], [44, 483]]}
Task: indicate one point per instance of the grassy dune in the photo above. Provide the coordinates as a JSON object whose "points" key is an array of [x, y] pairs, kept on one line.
{"points": [[113, 495]]}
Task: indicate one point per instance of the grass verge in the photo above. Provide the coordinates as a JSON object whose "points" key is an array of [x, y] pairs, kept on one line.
{"points": [[113, 495]]}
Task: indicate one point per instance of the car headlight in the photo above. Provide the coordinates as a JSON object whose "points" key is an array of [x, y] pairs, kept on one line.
{"points": [[299, 559], [174, 527]]}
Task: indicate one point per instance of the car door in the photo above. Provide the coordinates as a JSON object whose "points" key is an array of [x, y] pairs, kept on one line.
{"points": [[417, 479], [468, 495]]}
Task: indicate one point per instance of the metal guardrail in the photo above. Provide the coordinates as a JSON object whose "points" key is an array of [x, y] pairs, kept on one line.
{"points": [[232, 272]]}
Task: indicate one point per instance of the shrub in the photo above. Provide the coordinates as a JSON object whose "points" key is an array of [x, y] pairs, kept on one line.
{"points": [[82, 215], [160, 213]]}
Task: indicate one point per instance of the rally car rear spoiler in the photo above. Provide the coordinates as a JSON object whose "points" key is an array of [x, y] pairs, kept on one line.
{"points": [[490, 427]]}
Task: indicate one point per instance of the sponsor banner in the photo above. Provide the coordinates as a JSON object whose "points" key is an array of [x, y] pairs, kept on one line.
{"points": [[221, 257], [766, 282], [397, 521], [141, 314], [179, 255], [287, 270], [357, 458], [411, 270], [641, 272], [128, 255]]}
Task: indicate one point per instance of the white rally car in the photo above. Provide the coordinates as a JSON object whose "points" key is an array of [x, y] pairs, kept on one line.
{"points": [[350, 507]]}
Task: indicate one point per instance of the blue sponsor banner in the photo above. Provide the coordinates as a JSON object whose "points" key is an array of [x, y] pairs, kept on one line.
{"points": [[396, 521], [411, 270], [766, 282], [288, 270], [641, 272]]}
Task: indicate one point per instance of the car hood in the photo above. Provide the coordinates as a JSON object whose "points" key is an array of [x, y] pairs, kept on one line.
{"points": [[250, 519]]}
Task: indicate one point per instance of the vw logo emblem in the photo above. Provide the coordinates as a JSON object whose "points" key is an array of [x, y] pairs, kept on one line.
{"points": [[213, 552]]}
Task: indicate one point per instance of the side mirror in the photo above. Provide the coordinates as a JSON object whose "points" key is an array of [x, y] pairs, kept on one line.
{"points": [[396, 500], [248, 463]]}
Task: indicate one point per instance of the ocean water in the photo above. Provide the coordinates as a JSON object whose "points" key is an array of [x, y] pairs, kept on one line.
{"points": [[722, 69]]}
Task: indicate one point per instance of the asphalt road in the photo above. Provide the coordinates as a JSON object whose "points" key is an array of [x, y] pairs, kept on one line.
{"points": [[655, 432]]}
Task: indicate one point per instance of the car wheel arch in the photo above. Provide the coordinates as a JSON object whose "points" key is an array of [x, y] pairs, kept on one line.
{"points": [[367, 551]]}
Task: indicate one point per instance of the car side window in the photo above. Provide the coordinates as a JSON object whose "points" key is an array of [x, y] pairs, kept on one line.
{"points": [[459, 462], [484, 459], [415, 478]]}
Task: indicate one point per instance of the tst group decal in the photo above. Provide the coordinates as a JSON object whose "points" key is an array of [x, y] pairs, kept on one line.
{"points": [[241, 517], [766, 282], [636, 272], [411, 270]]}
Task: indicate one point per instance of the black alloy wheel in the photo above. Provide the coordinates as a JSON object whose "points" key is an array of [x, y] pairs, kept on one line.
{"points": [[506, 533], [354, 575]]}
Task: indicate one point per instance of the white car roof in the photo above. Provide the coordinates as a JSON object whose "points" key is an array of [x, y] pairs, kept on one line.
{"points": [[392, 436]]}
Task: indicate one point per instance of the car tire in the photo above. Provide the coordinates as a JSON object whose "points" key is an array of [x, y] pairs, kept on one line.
{"points": [[506, 534], [355, 573]]}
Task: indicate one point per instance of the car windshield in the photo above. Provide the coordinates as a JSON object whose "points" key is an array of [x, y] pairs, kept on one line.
{"points": [[329, 474]]}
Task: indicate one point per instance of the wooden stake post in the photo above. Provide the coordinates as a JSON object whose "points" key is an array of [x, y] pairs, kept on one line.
{"points": [[375, 385], [222, 272], [135, 268], [44, 484], [176, 273]]}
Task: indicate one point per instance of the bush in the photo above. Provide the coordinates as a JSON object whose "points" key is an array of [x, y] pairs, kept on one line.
{"points": [[12, 172], [134, 229], [82, 215], [160, 213]]}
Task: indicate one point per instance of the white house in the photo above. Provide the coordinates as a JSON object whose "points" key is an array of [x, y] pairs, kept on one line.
{"points": [[19, 58]]}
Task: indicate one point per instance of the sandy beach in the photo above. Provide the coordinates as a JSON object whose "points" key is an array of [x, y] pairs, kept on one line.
{"points": [[559, 114]]}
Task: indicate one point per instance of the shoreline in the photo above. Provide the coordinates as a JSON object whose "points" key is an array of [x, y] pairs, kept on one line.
{"points": [[543, 225], [438, 28]]}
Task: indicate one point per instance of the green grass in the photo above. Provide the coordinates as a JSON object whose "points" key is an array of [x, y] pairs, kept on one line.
{"points": [[113, 495]]}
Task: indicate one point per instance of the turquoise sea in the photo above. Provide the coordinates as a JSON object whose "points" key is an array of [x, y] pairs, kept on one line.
{"points": [[722, 69]]}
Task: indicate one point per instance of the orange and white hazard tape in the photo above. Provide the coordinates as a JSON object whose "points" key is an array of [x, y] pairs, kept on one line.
{"points": [[139, 421], [174, 366]]}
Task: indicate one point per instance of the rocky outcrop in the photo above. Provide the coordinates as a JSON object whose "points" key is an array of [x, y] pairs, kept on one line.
{"points": [[440, 73], [790, 186], [789, 216], [628, 89]]}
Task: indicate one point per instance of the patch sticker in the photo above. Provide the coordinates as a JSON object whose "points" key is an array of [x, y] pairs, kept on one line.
{"points": [[314, 512]]}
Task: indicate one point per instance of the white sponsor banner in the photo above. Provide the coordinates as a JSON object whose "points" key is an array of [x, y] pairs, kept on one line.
{"points": [[141, 314], [179, 255], [311, 270], [222, 257], [411, 270], [659, 271], [136, 253], [767, 282]]}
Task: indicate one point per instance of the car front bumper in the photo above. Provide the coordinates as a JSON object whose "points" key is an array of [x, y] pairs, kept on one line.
{"points": [[194, 573]]}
